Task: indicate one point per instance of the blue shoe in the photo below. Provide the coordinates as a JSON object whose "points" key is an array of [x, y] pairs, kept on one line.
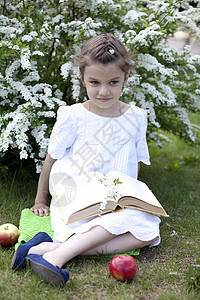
{"points": [[48, 272], [18, 261]]}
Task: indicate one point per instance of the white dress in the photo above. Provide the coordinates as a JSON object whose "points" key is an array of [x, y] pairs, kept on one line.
{"points": [[81, 142]]}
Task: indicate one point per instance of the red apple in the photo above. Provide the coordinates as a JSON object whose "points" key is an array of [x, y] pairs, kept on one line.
{"points": [[9, 234], [123, 267]]}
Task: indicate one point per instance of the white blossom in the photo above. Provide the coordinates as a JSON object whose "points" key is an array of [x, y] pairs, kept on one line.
{"points": [[90, 27], [38, 53], [57, 19], [150, 63], [183, 116], [158, 138], [130, 35], [132, 17], [37, 73], [145, 36], [25, 58], [66, 69], [39, 134], [11, 69], [16, 47], [27, 38], [167, 91], [194, 58], [111, 191], [76, 87]]}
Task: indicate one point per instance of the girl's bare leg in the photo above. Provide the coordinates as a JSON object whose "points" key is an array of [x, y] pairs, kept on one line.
{"points": [[43, 248], [78, 244], [74, 246], [95, 241], [121, 243]]}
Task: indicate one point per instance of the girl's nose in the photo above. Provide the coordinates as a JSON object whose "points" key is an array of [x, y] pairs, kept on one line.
{"points": [[104, 90]]}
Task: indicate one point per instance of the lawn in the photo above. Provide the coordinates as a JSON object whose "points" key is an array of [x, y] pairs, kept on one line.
{"points": [[169, 271]]}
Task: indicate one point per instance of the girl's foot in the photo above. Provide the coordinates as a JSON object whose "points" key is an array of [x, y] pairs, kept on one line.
{"points": [[48, 272], [18, 261]]}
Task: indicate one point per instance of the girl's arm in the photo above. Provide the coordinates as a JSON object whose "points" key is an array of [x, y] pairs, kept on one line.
{"points": [[40, 207]]}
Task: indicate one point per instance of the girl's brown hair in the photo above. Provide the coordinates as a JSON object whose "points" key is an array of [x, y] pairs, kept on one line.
{"points": [[104, 49]]}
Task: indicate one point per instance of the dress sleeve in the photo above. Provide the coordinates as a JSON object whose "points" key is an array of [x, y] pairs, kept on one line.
{"points": [[141, 143], [63, 133]]}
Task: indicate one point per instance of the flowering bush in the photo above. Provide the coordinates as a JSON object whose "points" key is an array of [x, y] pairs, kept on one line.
{"points": [[41, 39]]}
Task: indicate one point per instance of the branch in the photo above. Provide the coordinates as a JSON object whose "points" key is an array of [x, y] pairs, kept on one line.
{"points": [[4, 7], [50, 54]]}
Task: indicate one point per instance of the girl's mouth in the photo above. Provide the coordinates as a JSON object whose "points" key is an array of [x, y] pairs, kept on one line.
{"points": [[104, 99]]}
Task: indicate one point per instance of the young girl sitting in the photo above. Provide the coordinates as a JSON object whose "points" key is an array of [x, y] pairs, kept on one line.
{"points": [[101, 134]]}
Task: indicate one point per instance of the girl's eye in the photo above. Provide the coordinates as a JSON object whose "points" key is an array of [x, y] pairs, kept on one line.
{"points": [[113, 82], [94, 82]]}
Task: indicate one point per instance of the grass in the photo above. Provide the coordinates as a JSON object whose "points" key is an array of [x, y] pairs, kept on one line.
{"points": [[169, 271]]}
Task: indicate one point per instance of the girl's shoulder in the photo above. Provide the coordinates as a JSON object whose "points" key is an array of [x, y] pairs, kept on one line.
{"points": [[67, 111], [138, 111], [68, 108]]}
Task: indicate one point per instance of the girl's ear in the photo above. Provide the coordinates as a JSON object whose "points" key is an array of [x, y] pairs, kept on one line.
{"points": [[126, 77], [82, 79]]}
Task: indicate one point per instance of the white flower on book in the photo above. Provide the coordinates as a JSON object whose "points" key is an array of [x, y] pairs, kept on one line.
{"points": [[112, 191]]}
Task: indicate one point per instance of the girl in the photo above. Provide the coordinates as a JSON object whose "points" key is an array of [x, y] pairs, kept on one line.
{"points": [[102, 134]]}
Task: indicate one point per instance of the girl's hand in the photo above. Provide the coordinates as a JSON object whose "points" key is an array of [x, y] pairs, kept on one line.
{"points": [[40, 209]]}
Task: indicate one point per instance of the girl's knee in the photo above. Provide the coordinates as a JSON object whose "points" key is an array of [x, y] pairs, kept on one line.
{"points": [[136, 243], [150, 242]]}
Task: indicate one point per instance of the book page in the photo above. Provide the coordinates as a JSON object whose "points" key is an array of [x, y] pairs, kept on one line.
{"points": [[133, 187], [73, 194]]}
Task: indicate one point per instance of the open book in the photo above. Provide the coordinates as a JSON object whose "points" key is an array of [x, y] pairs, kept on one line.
{"points": [[84, 196]]}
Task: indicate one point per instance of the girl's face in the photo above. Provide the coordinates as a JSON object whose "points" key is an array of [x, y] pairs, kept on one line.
{"points": [[104, 84]]}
